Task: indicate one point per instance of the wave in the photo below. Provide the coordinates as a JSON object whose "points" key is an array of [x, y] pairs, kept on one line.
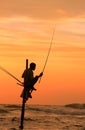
{"points": [[12, 129], [76, 105], [68, 109], [4, 111], [65, 110], [7, 108], [12, 106]]}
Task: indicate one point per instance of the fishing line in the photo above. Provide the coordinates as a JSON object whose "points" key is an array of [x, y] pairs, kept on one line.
{"points": [[49, 50]]}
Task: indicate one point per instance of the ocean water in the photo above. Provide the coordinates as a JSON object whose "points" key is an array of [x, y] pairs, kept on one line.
{"points": [[42, 117]]}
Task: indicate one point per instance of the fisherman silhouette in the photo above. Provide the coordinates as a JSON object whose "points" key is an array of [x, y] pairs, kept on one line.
{"points": [[30, 80]]}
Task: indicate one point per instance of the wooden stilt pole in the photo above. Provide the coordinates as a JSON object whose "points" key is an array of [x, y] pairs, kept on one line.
{"points": [[23, 103]]}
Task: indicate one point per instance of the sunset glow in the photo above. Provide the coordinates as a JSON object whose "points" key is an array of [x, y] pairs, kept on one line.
{"points": [[26, 29]]}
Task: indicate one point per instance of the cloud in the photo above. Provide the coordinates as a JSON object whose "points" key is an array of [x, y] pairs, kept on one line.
{"points": [[33, 49], [70, 49], [68, 52], [60, 12], [43, 10]]}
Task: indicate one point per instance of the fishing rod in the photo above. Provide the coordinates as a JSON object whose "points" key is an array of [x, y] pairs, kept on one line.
{"points": [[49, 50], [20, 83]]}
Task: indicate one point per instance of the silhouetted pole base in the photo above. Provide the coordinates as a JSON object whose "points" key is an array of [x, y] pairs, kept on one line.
{"points": [[21, 127], [22, 115], [23, 103]]}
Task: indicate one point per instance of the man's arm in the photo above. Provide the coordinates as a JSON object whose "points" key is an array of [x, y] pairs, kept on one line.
{"points": [[35, 79]]}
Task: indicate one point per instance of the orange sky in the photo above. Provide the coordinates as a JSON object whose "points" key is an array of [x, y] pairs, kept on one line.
{"points": [[26, 29]]}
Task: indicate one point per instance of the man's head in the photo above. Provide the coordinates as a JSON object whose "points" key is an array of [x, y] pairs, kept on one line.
{"points": [[32, 66]]}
